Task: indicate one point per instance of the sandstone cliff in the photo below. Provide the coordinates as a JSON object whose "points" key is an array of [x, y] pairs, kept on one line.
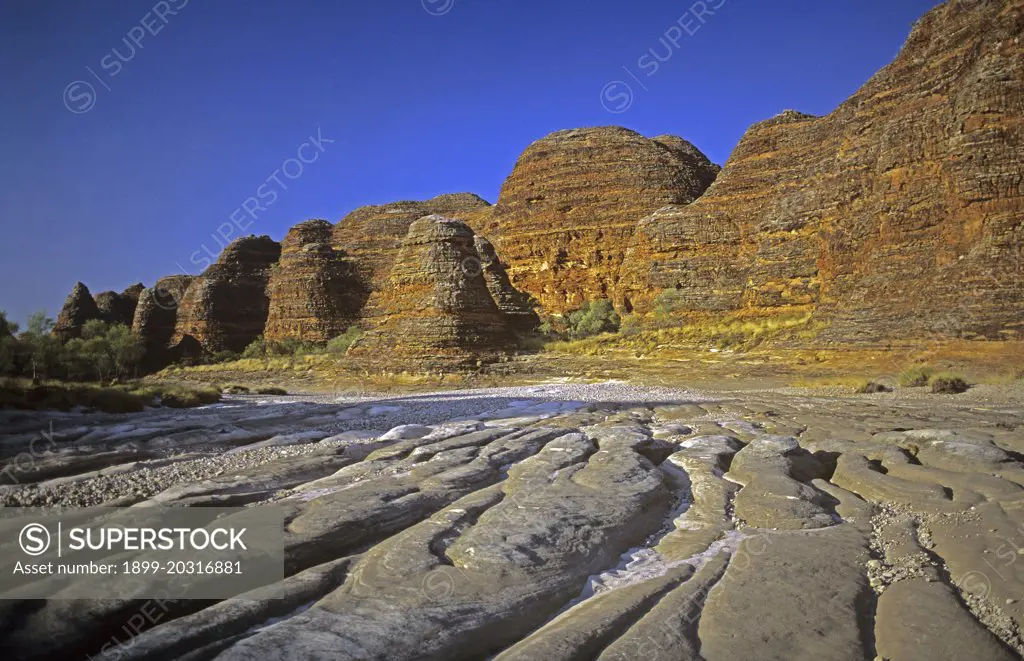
{"points": [[79, 307], [119, 307], [896, 216], [567, 211], [373, 235], [314, 290], [226, 307], [435, 307], [516, 306], [155, 318]]}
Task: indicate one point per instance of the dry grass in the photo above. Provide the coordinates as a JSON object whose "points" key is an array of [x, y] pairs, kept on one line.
{"points": [[737, 333], [127, 398], [652, 357], [916, 377]]}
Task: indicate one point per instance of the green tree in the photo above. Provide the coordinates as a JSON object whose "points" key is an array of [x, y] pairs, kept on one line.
{"points": [[44, 350], [95, 349], [8, 345], [74, 362], [7, 328], [94, 328], [125, 350]]}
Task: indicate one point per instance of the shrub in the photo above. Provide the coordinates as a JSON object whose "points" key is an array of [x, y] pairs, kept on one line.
{"points": [[668, 302], [181, 397], [915, 377], [872, 387], [120, 399], [341, 343], [593, 318], [270, 390], [256, 349], [113, 400], [224, 356], [948, 383], [289, 347], [631, 326], [234, 389]]}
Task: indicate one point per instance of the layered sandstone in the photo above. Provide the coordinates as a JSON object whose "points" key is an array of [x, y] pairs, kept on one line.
{"points": [[373, 235], [79, 308], [567, 212], [119, 307], [314, 290], [896, 216], [516, 306], [155, 318], [435, 306], [226, 307], [552, 524]]}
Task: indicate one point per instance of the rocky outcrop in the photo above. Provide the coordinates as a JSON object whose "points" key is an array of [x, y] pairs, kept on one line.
{"points": [[545, 523], [567, 212], [79, 307], [373, 235], [155, 318], [435, 306], [226, 307], [516, 306], [314, 290], [896, 216], [119, 308]]}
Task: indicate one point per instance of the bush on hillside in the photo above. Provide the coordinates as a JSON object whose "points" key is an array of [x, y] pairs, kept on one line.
{"points": [[341, 343], [593, 318]]}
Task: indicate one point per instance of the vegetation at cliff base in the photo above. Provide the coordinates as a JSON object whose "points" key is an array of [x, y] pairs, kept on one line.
{"points": [[102, 352], [263, 348], [38, 372]]}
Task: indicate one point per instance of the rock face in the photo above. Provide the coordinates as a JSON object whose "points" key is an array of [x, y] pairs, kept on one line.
{"points": [[372, 235], [79, 307], [119, 308], [226, 307], [314, 290], [567, 212], [156, 316], [896, 216], [547, 524], [514, 304], [435, 306]]}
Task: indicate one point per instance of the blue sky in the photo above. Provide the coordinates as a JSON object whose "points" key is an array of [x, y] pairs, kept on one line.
{"points": [[134, 132]]}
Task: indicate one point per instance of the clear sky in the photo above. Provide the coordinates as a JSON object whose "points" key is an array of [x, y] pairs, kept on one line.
{"points": [[133, 131]]}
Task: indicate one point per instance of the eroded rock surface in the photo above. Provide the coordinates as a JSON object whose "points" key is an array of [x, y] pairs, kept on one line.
{"points": [[436, 305], [569, 208], [315, 293], [564, 522], [79, 307], [514, 304], [373, 235], [226, 307], [119, 307], [898, 215], [156, 316]]}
